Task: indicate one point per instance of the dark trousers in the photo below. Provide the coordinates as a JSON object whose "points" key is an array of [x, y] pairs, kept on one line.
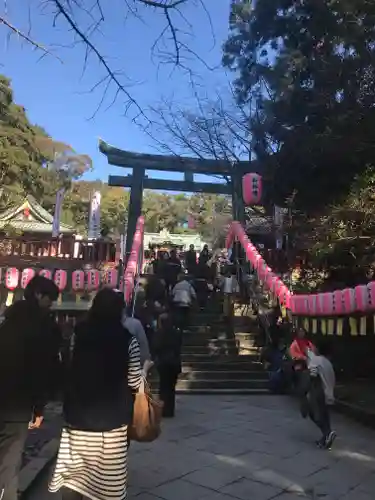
{"points": [[319, 410], [181, 317], [168, 375], [12, 440], [68, 494]]}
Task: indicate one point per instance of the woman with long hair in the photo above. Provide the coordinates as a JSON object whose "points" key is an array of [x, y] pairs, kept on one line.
{"points": [[103, 371]]}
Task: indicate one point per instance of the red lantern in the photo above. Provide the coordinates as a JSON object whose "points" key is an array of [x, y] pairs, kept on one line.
{"points": [[46, 273], [111, 278], [93, 279], [12, 276], [252, 189], [27, 275], [78, 280], [60, 279]]}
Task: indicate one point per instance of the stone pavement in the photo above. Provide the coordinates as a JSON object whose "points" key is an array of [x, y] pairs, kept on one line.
{"points": [[247, 448]]}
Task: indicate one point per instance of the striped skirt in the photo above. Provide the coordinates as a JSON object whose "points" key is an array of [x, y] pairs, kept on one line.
{"points": [[93, 464]]}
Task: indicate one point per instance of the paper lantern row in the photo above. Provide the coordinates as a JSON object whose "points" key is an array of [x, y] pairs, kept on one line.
{"points": [[89, 280], [134, 259], [340, 302], [265, 273]]}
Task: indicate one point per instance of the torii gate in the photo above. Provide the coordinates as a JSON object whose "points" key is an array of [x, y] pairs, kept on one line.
{"points": [[138, 179]]}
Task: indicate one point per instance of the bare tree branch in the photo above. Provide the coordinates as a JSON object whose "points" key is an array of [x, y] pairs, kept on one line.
{"points": [[27, 38], [215, 130], [85, 19]]}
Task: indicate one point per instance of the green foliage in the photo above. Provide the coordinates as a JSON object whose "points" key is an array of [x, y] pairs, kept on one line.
{"points": [[27, 155], [308, 70], [211, 213]]}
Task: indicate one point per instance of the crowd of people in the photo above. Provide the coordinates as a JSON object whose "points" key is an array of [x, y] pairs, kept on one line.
{"points": [[97, 372], [109, 354]]}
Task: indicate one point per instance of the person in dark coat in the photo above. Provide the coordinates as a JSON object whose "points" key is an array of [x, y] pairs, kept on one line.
{"points": [[167, 352], [191, 260], [29, 366], [205, 255], [173, 269]]}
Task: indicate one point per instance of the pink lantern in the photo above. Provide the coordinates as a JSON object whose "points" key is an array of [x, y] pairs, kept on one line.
{"points": [[93, 279], [111, 278], [349, 300], [78, 280], [371, 292], [327, 303], [277, 285], [12, 276], [27, 275], [299, 304], [312, 300], [257, 261], [252, 188], [46, 273], [263, 270], [319, 304], [338, 306], [361, 298], [60, 279]]}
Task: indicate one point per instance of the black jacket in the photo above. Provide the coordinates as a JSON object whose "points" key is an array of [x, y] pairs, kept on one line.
{"points": [[167, 348], [191, 260], [97, 397], [29, 360]]}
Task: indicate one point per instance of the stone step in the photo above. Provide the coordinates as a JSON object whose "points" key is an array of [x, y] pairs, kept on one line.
{"points": [[254, 356], [219, 365], [225, 349], [223, 384], [205, 333], [199, 340], [228, 392], [218, 375]]}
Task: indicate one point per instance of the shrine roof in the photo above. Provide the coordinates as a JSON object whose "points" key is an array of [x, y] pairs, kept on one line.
{"points": [[37, 219]]}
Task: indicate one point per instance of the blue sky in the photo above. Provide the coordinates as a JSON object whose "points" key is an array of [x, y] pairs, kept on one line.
{"points": [[56, 96]]}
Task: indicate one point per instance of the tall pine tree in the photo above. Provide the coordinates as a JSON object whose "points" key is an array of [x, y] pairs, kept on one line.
{"points": [[307, 67]]}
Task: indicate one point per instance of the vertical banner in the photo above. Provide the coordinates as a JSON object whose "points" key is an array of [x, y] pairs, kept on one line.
{"points": [[94, 218], [56, 217]]}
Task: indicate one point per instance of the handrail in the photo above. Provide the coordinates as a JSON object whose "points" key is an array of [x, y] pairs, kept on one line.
{"points": [[360, 299]]}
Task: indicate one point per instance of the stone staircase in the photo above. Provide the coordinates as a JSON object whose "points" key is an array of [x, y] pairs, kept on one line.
{"points": [[217, 358]]}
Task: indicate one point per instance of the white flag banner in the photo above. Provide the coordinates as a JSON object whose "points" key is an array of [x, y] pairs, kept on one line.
{"points": [[94, 219], [56, 218]]}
